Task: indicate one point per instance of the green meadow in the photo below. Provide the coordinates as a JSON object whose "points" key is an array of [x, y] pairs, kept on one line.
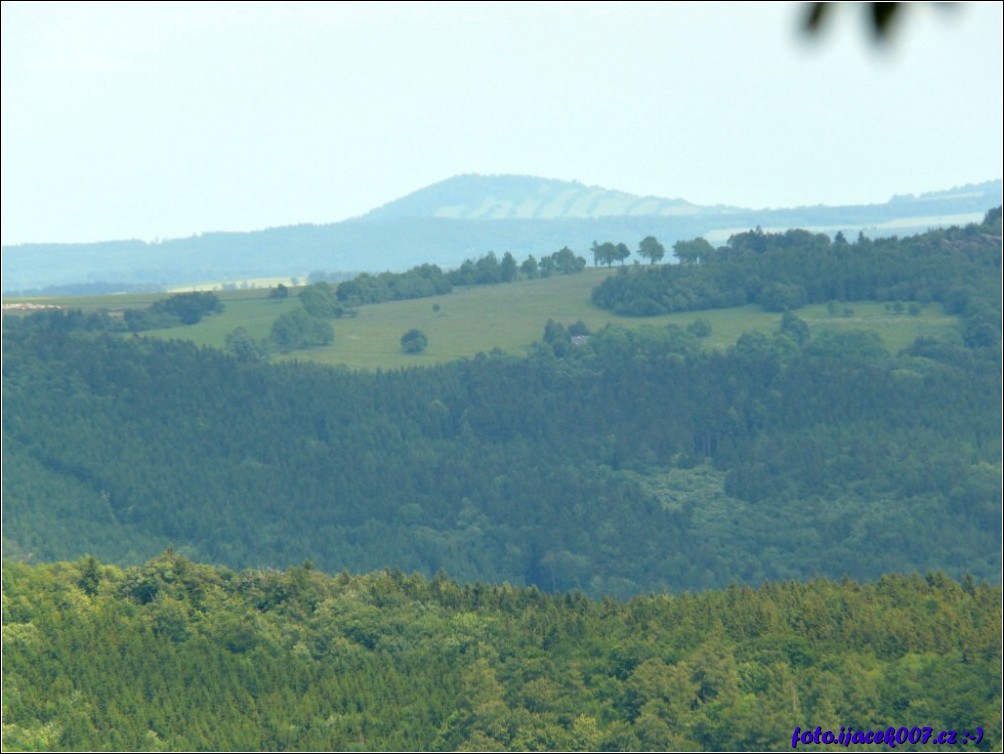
{"points": [[509, 317]]}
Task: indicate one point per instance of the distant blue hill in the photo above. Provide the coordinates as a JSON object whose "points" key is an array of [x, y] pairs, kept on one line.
{"points": [[517, 197], [461, 217]]}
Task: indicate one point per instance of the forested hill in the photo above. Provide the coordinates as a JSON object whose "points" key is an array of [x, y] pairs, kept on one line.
{"points": [[957, 267], [174, 656], [623, 462]]}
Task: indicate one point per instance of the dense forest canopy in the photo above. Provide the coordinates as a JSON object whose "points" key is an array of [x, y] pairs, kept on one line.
{"points": [[957, 267], [615, 462], [786, 478], [173, 656]]}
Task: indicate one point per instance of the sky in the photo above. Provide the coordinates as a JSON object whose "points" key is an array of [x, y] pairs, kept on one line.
{"points": [[162, 120]]}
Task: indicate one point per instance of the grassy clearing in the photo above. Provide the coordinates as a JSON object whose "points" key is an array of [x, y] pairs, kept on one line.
{"points": [[896, 330], [253, 311], [508, 317]]}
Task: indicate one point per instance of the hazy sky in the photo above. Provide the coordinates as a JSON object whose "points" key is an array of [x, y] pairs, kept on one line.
{"points": [[151, 120]]}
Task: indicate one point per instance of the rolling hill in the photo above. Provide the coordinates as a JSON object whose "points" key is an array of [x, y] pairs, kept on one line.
{"points": [[458, 218], [517, 197]]}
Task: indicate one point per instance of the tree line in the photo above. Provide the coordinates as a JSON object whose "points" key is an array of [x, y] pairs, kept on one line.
{"points": [[957, 267], [608, 252], [172, 311], [308, 327], [430, 280]]}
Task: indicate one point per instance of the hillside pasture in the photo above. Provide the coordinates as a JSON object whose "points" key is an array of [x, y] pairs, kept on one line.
{"points": [[508, 317]]}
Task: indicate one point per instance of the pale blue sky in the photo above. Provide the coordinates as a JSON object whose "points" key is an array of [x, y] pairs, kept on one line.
{"points": [[156, 120]]}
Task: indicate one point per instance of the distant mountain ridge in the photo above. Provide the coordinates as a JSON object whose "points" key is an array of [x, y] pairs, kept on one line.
{"points": [[517, 197], [459, 218]]}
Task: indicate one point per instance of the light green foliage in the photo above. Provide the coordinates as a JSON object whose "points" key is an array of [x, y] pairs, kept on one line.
{"points": [[204, 658]]}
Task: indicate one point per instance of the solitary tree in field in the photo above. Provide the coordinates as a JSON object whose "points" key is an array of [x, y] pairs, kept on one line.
{"points": [[414, 341]]}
